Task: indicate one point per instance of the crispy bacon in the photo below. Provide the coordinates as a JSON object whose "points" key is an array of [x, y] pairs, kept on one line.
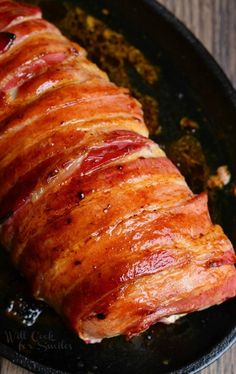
{"points": [[12, 13], [97, 219]]}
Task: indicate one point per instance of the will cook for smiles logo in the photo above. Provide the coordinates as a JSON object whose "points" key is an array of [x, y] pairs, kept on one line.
{"points": [[28, 340]]}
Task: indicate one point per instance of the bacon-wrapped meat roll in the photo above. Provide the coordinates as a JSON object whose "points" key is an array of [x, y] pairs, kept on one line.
{"points": [[96, 218]]}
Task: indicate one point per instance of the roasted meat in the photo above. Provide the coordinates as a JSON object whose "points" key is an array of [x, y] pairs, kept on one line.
{"points": [[97, 219]]}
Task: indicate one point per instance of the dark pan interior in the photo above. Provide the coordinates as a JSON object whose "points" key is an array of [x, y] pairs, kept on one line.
{"points": [[189, 85]]}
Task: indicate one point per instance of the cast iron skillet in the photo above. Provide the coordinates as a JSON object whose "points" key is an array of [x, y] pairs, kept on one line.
{"points": [[191, 84]]}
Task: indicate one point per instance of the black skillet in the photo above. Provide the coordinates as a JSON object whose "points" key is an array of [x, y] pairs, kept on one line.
{"points": [[190, 85]]}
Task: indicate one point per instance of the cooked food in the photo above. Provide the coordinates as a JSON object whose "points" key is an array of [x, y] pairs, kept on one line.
{"points": [[93, 214]]}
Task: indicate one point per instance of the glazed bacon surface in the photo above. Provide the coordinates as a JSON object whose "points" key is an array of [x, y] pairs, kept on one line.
{"points": [[93, 214]]}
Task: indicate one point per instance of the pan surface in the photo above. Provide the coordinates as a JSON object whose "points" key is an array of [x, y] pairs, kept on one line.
{"points": [[190, 108]]}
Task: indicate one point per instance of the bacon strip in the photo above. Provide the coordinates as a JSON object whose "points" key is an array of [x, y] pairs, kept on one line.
{"points": [[12, 13], [93, 214]]}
